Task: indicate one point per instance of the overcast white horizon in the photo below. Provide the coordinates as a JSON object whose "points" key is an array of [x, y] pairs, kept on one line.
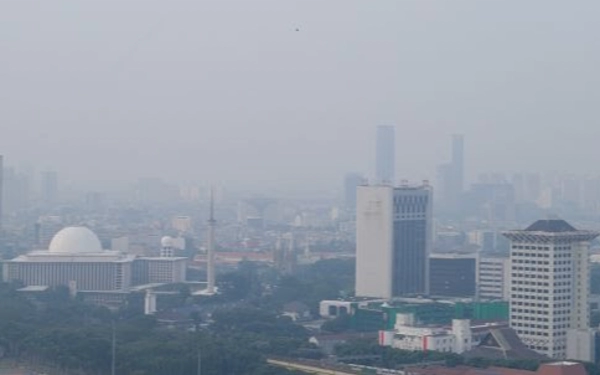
{"points": [[288, 93]]}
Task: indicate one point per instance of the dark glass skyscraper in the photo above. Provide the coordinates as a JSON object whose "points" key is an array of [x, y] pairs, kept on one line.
{"points": [[385, 155], [412, 221]]}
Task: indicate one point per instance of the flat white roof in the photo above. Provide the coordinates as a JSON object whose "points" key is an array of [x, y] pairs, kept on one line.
{"points": [[48, 257], [137, 288], [171, 259], [562, 363], [34, 288]]}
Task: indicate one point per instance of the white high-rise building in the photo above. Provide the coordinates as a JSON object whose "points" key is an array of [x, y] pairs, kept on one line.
{"points": [[549, 284], [393, 240], [494, 277]]}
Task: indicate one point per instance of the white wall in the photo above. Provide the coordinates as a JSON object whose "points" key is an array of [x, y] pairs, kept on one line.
{"points": [[581, 345], [374, 241]]}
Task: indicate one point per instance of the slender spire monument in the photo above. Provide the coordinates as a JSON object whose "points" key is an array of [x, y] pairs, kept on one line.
{"points": [[210, 255]]}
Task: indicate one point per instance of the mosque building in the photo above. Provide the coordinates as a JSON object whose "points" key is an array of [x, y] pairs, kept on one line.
{"points": [[75, 258]]}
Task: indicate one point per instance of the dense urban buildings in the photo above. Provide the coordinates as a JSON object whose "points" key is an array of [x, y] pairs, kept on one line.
{"points": [[393, 240], [385, 172], [550, 285]]}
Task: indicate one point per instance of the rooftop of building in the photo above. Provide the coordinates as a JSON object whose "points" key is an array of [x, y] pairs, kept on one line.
{"points": [[549, 230], [551, 226], [453, 255], [34, 288], [164, 259], [81, 245], [502, 343], [49, 257]]}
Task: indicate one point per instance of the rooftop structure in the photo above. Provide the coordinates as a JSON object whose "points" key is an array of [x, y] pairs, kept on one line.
{"points": [[551, 230], [550, 226], [502, 343]]}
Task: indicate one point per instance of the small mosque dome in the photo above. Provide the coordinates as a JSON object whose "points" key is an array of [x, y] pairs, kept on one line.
{"points": [[167, 241]]}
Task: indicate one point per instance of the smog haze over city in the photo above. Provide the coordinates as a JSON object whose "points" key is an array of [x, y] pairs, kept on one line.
{"points": [[287, 93], [389, 187]]}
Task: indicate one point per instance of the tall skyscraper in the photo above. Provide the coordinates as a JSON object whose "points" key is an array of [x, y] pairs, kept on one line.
{"points": [[393, 240], [351, 182], [385, 155], [549, 284], [450, 176]]}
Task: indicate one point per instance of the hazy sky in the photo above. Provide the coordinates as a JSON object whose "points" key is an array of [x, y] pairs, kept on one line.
{"points": [[288, 93]]}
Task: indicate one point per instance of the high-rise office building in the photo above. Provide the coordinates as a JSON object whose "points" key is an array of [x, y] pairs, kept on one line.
{"points": [[393, 240], [450, 176], [351, 182], [385, 155], [549, 284]]}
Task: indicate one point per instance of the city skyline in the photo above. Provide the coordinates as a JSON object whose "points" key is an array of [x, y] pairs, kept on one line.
{"points": [[259, 187], [168, 91]]}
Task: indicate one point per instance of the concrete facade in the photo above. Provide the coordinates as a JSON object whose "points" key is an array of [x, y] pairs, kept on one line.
{"points": [[494, 277]]}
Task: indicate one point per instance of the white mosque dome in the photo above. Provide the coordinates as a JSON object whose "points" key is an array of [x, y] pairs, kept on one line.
{"points": [[75, 240], [167, 241]]}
